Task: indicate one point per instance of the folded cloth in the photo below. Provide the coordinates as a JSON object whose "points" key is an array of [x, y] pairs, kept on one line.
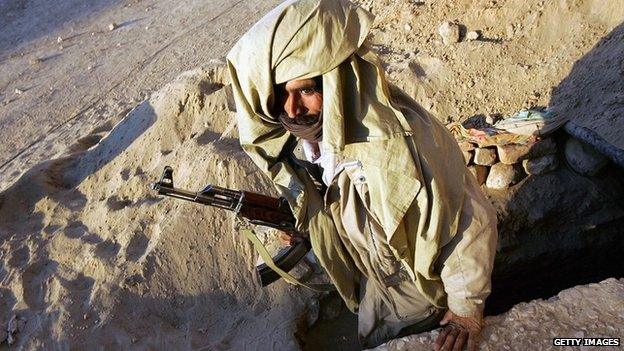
{"points": [[487, 136], [531, 122]]}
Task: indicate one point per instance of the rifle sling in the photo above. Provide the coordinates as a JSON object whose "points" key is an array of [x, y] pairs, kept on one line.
{"points": [[268, 260]]}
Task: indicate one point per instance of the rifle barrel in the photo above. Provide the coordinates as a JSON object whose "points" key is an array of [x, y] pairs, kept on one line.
{"points": [[213, 196]]}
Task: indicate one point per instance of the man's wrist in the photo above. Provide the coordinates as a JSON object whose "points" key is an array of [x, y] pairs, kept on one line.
{"points": [[465, 308]]}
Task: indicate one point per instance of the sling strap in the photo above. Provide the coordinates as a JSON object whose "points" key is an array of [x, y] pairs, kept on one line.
{"points": [[268, 260]]}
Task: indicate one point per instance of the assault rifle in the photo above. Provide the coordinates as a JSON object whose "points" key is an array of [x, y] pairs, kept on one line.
{"points": [[256, 208]]}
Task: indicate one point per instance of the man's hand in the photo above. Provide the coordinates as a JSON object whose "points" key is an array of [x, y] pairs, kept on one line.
{"points": [[458, 330], [288, 238]]}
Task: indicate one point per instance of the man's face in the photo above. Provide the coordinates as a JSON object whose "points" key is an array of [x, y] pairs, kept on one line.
{"points": [[301, 100]]}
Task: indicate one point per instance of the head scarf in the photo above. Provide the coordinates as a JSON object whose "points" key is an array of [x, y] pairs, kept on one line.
{"points": [[303, 39]]}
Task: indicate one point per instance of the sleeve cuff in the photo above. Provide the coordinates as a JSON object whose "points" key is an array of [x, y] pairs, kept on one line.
{"points": [[465, 307]]}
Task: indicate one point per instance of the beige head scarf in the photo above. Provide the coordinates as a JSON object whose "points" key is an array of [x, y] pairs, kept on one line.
{"points": [[305, 38]]}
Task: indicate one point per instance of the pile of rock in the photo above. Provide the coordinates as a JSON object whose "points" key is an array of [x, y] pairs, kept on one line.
{"points": [[504, 165]]}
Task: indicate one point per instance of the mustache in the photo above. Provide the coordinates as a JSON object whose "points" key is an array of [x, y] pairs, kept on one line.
{"points": [[303, 120]]}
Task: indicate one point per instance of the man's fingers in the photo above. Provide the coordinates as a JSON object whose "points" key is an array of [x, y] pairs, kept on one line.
{"points": [[441, 338], [450, 340], [473, 341], [461, 340], [285, 239], [289, 238], [448, 316]]}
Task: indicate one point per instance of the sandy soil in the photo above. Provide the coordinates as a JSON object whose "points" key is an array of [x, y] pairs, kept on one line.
{"points": [[565, 55], [91, 259], [53, 93]]}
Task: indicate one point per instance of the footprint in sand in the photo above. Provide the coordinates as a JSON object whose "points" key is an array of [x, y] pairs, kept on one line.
{"points": [[80, 287], [136, 247], [125, 174], [35, 282], [115, 203], [7, 301], [107, 250], [76, 229], [19, 257]]}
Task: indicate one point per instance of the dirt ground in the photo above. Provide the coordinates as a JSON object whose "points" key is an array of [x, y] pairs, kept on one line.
{"points": [[90, 258], [53, 93]]}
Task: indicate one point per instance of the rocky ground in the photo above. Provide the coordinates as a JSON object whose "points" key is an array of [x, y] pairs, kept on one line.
{"points": [[588, 311], [89, 115]]}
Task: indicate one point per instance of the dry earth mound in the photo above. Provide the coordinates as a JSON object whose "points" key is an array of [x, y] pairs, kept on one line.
{"points": [[90, 258]]}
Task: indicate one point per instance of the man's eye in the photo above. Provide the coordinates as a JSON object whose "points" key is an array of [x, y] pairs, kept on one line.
{"points": [[307, 91]]}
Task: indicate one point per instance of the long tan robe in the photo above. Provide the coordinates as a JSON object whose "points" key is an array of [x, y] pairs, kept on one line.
{"points": [[415, 173], [390, 303]]}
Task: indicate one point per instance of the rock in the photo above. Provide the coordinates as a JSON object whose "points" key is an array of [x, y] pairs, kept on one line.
{"points": [[19, 91], [512, 153], [59, 39], [407, 26], [489, 119], [449, 32], [472, 35], [540, 165], [510, 30], [583, 158], [466, 146], [502, 176], [485, 157], [467, 156], [35, 61], [113, 26], [542, 148], [480, 172]]}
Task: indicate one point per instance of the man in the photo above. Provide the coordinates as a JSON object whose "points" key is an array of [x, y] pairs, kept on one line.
{"points": [[394, 217]]}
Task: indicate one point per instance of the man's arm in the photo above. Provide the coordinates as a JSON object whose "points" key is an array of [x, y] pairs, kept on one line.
{"points": [[467, 265]]}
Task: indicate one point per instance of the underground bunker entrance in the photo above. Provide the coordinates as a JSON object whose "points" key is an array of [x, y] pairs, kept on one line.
{"points": [[576, 239], [337, 326]]}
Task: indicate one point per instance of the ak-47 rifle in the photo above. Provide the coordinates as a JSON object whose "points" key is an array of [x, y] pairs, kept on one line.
{"points": [[256, 208]]}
